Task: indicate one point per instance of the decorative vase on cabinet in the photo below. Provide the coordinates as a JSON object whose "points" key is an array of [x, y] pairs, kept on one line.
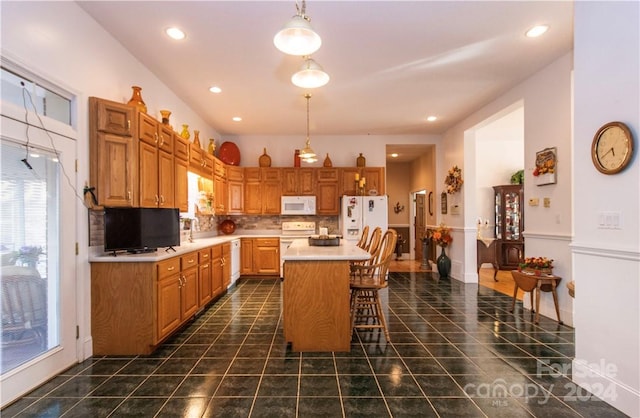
{"points": [[185, 131], [136, 99], [444, 264]]}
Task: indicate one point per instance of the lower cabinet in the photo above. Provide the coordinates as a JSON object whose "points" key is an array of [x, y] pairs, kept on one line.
{"points": [[260, 256], [135, 306]]}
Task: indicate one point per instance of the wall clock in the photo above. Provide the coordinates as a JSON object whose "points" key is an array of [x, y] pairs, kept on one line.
{"points": [[612, 148]]}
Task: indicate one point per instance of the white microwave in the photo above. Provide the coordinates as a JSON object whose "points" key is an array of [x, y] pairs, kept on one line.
{"points": [[298, 205]]}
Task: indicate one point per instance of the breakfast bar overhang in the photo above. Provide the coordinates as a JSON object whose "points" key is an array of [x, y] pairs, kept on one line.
{"points": [[315, 299]]}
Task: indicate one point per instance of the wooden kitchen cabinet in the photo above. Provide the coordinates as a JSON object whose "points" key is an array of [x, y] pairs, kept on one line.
{"points": [[220, 186], [156, 166], [217, 270], [298, 182], [181, 168], [113, 153], [262, 191], [189, 288], [327, 196], [169, 310], [235, 190], [205, 281], [226, 264], [259, 256], [374, 176]]}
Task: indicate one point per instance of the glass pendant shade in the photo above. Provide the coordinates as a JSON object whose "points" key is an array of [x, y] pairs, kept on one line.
{"points": [[306, 153], [310, 76], [297, 37]]}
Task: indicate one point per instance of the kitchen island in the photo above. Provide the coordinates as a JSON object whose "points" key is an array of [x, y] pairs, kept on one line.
{"points": [[315, 295]]}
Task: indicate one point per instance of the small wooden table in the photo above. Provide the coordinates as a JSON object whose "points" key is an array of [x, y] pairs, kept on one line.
{"points": [[531, 283]]}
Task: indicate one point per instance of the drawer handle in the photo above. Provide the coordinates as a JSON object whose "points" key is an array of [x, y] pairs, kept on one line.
{"points": [[171, 268], [205, 265]]}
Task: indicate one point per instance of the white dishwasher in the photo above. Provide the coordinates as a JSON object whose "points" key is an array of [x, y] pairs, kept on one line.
{"points": [[235, 260]]}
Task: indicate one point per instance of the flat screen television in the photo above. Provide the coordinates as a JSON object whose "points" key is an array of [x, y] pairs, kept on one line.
{"points": [[140, 229]]}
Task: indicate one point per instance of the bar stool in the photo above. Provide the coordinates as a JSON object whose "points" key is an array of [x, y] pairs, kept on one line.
{"points": [[366, 282], [363, 238]]}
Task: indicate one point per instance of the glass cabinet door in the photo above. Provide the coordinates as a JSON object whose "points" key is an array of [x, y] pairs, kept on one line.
{"points": [[512, 216], [498, 215]]}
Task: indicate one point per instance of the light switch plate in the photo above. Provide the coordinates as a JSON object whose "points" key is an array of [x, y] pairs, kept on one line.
{"points": [[547, 202]]}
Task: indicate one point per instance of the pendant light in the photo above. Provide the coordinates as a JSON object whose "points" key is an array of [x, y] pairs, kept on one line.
{"points": [[310, 76], [307, 154], [297, 37]]}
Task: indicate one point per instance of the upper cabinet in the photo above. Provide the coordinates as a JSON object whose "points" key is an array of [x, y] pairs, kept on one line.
{"points": [[156, 166], [374, 181], [298, 181], [113, 153]]}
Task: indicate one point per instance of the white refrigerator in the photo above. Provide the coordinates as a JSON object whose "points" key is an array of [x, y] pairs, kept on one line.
{"points": [[358, 211]]}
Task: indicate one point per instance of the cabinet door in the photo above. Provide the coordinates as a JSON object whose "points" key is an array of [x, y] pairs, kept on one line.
{"points": [[235, 199], [181, 195], [169, 317], [147, 129], [166, 182], [115, 172], [306, 182], [113, 118], [216, 270], [189, 293], [246, 256], [180, 148], [253, 198], [327, 199], [267, 256], [271, 198], [348, 180], [205, 284], [165, 138], [148, 175], [374, 179], [226, 265], [289, 181], [220, 191]]}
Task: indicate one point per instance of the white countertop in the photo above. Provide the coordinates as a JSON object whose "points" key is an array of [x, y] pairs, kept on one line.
{"points": [[300, 250], [97, 255]]}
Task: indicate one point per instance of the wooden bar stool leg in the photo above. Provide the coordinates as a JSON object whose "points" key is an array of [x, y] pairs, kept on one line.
{"points": [[515, 295], [381, 318], [537, 290]]}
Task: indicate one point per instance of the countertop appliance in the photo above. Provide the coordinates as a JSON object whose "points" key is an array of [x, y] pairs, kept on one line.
{"points": [[291, 231], [358, 211], [235, 260], [298, 205]]}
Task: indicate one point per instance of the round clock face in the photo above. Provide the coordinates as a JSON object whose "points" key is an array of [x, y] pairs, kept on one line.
{"points": [[612, 148]]}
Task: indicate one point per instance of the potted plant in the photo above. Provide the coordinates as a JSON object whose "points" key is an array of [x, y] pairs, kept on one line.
{"points": [[442, 236]]}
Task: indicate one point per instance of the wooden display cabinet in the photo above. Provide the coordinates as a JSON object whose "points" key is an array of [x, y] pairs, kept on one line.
{"points": [[509, 221]]}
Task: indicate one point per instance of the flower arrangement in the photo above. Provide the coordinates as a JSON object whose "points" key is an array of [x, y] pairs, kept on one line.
{"points": [[537, 263], [29, 255], [440, 236], [454, 179]]}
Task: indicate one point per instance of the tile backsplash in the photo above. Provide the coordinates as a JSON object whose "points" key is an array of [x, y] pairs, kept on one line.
{"points": [[208, 224]]}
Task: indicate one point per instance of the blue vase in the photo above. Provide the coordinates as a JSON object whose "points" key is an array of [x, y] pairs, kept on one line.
{"points": [[444, 264]]}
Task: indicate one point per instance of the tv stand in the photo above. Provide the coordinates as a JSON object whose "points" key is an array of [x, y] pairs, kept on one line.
{"points": [[170, 248]]}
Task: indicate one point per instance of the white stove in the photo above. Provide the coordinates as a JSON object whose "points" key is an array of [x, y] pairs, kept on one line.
{"points": [[291, 231]]}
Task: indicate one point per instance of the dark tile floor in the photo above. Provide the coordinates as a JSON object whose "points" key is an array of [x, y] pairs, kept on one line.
{"points": [[456, 351]]}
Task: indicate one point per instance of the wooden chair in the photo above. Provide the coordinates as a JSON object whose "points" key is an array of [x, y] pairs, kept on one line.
{"points": [[366, 282], [374, 241], [363, 238], [24, 306]]}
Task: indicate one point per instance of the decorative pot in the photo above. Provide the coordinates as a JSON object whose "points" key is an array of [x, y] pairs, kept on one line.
{"points": [[212, 147], [136, 99], [361, 161], [196, 138], [444, 264]]}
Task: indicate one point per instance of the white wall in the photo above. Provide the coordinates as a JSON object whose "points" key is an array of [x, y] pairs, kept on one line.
{"points": [[607, 261], [60, 43]]}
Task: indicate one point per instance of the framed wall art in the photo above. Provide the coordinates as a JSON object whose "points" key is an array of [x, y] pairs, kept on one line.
{"points": [[443, 203], [545, 171]]}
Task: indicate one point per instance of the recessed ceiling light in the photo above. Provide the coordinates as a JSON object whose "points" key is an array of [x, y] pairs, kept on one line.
{"points": [[175, 33], [394, 155], [536, 31], [236, 119], [432, 118], [215, 89]]}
